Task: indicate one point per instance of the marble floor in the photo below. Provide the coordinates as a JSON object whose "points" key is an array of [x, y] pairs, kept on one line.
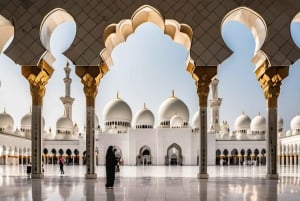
{"points": [[152, 183]]}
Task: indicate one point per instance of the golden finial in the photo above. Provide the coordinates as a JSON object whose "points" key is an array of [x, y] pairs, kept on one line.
{"points": [[173, 93], [144, 105], [4, 110], [118, 95]]}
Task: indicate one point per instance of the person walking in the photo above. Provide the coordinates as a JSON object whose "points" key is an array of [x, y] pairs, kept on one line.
{"points": [[61, 164], [110, 168]]}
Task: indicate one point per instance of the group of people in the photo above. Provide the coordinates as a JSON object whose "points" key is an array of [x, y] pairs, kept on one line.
{"points": [[112, 166]]}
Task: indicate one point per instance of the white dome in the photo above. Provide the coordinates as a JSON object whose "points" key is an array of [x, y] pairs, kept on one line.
{"points": [[172, 106], [26, 121], [176, 122], [144, 117], [196, 120], [6, 122], [64, 128], [117, 110], [295, 125], [242, 122], [64, 123], [258, 123]]}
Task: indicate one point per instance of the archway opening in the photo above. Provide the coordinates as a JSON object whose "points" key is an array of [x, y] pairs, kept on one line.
{"points": [[174, 155]]}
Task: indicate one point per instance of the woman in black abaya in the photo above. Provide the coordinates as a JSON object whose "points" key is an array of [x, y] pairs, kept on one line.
{"points": [[110, 167]]}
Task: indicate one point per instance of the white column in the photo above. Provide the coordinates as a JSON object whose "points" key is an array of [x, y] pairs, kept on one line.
{"points": [[203, 144], [90, 143], [36, 142], [272, 144]]}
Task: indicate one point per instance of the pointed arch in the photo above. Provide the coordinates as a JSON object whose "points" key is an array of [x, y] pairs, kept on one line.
{"points": [[177, 157], [114, 34]]}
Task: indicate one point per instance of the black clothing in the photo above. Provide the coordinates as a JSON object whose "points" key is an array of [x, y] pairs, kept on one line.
{"points": [[110, 167]]}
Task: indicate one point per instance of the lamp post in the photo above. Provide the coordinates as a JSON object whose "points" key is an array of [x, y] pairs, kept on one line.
{"points": [[203, 76], [37, 77], [90, 78], [270, 78]]}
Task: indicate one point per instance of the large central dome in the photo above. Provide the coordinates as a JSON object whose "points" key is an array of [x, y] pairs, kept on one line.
{"points": [[170, 107], [117, 116], [117, 110]]}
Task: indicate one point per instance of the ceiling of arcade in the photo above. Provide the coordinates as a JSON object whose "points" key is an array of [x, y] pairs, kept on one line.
{"points": [[204, 17]]}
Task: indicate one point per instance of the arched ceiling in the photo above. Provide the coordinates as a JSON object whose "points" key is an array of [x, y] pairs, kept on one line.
{"points": [[204, 17]]}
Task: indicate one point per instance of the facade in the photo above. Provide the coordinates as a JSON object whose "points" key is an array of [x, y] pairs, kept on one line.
{"points": [[137, 141]]}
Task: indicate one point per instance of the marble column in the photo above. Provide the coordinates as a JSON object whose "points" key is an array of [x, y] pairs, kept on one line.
{"points": [[270, 78], [90, 78], [38, 77], [203, 76]]}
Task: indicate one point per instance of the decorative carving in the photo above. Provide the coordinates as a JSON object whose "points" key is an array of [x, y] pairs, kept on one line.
{"points": [[90, 78], [203, 76], [38, 77], [270, 78]]}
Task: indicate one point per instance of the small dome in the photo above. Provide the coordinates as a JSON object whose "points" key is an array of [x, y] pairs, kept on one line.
{"points": [[6, 122], [26, 122], [64, 123], [258, 124], [196, 120], [176, 121], [144, 117], [172, 106], [64, 128], [117, 110], [242, 122], [295, 125]]}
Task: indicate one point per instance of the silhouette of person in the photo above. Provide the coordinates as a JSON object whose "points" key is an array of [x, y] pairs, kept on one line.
{"points": [[110, 167]]}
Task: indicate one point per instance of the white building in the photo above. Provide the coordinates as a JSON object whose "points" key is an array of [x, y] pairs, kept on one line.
{"points": [[138, 141]]}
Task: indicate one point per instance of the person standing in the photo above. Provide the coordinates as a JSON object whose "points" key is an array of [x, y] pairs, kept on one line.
{"points": [[61, 164], [110, 167]]}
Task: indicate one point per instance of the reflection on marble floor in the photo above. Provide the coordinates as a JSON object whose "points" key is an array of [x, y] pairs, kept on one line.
{"points": [[155, 183]]}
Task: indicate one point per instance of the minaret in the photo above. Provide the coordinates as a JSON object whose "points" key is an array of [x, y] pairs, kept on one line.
{"points": [[67, 99], [215, 103]]}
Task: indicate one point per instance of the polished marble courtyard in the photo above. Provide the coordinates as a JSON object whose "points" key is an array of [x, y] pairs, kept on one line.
{"points": [[151, 183]]}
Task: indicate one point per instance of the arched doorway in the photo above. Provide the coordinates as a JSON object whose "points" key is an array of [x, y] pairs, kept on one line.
{"points": [[118, 155], [54, 158], [263, 157], [234, 159], [76, 158], [249, 159], [45, 156], [144, 156], [174, 155], [69, 157], [256, 157], [225, 158], [218, 157]]}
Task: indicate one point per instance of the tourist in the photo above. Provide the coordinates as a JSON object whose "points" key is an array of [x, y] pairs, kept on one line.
{"points": [[61, 164], [110, 168]]}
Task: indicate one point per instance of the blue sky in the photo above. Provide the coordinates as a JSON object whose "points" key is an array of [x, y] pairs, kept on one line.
{"points": [[146, 70]]}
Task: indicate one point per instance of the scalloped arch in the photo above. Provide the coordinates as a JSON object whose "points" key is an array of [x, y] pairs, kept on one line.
{"points": [[114, 34]]}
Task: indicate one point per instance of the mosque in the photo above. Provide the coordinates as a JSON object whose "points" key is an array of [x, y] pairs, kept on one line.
{"points": [[137, 141]]}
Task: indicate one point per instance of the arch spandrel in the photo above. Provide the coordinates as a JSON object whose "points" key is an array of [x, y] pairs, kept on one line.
{"points": [[204, 17], [115, 34]]}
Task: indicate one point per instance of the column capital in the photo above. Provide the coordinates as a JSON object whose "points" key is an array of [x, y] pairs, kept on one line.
{"points": [[90, 78], [203, 76], [270, 78], [37, 77]]}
